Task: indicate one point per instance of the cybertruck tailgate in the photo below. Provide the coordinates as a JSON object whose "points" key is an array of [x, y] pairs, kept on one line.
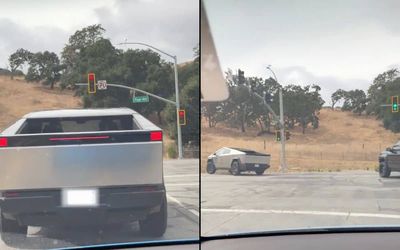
{"points": [[90, 160], [258, 159]]}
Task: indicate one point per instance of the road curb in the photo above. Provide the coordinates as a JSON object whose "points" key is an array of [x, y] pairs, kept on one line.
{"points": [[185, 212]]}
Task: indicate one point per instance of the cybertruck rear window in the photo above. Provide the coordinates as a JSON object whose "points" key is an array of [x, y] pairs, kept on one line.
{"points": [[78, 124]]}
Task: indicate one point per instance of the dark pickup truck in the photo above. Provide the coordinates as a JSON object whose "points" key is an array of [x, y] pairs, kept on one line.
{"points": [[389, 161]]}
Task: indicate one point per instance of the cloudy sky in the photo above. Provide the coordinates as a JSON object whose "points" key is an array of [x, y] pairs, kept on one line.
{"points": [[172, 26], [336, 44]]}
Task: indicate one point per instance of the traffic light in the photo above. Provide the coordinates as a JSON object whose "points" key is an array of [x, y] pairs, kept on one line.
{"points": [[287, 135], [395, 104], [91, 83], [182, 117], [241, 79], [268, 98], [278, 135]]}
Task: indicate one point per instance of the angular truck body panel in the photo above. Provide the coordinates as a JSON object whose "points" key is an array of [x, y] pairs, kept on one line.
{"points": [[86, 165], [393, 161]]}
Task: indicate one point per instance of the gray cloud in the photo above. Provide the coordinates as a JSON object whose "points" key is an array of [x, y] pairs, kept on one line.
{"points": [[336, 44], [172, 26], [329, 84], [16, 36]]}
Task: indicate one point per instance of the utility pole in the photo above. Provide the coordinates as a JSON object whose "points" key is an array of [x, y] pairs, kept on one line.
{"points": [[282, 129], [283, 166], [280, 120], [180, 153]]}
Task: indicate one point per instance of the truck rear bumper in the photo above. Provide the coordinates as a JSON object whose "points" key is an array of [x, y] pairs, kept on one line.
{"points": [[254, 167], [116, 205]]}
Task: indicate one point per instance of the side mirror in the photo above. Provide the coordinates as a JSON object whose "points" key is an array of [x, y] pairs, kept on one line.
{"points": [[389, 149]]}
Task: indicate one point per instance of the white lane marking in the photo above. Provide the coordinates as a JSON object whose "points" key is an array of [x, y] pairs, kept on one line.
{"points": [[181, 175], [183, 184], [194, 212], [255, 211], [173, 199]]}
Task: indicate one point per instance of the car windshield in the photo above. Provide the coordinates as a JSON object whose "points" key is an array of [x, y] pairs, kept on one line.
{"points": [[99, 123], [312, 109]]}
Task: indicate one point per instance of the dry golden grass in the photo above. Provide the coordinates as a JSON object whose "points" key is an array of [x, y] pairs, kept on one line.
{"points": [[344, 141], [17, 98]]}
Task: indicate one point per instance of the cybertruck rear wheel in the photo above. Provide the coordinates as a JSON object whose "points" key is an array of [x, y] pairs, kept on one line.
{"points": [[235, 168], [260, 172], [155, 224]]}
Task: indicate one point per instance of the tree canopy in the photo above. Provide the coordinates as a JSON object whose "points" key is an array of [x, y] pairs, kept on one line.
{"points": [[373, 102], [87, 50], [243, 109]]}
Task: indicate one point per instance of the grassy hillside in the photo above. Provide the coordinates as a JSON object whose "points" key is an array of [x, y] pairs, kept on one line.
{"points": [[343, 141], [18, 97]]}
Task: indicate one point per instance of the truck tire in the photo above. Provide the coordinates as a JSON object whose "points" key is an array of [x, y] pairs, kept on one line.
{"points": [[384, 170], [235, 167], [155, 224], [211, 167], [260, 172], [9, 228]]}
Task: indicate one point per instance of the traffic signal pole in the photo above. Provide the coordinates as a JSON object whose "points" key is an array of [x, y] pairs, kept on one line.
{"points": [[283, 166], [282, 130], [178, 127], [279, 120]]}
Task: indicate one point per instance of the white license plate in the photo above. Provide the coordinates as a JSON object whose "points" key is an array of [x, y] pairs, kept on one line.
{"points": [[80, 197], [256, 165]]}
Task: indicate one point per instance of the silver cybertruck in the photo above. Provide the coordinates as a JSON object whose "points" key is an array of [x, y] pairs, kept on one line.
{"points": [[238, 160], [82, 166]]}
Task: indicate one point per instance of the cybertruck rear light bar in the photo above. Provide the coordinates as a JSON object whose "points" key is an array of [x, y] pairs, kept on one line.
{"points": [[82, 138], [3, 142], [79, 138]]}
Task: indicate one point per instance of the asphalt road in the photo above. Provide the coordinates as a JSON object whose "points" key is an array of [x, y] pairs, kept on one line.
{"points": [[181, 178], [233, 204]]}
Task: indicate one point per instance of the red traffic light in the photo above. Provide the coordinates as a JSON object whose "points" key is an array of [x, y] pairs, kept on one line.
{"points": [[91, 83], [91, 76], [182, 117]]}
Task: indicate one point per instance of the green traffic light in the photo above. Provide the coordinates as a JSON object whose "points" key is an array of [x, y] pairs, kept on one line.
{"points": [[395, 103]]}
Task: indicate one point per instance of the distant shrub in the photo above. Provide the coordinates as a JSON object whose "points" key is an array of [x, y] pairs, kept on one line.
{"points": [[6, 72], [171, 151]]}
